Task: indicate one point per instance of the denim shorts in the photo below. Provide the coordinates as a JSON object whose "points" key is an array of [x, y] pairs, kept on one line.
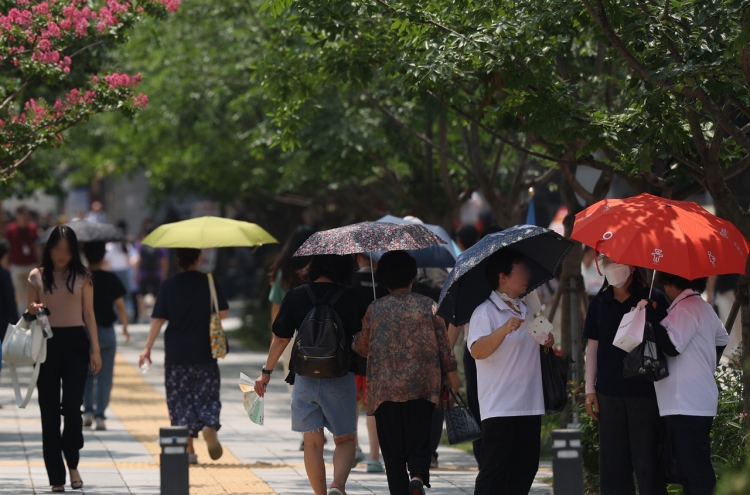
{"points": [[325, 402]]}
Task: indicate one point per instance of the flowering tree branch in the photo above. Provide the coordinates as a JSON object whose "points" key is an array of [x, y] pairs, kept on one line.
{"points": [[38, 41]]}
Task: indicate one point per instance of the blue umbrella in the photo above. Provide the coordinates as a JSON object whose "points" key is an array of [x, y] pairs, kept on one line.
{"points": [[466, 286], [438, 256]]}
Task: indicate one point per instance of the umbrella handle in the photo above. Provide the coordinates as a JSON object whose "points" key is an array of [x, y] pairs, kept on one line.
{"points": [[653, 277], [372, 272]]}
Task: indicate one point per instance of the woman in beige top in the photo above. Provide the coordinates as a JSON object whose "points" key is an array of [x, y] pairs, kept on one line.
{"points": [[63, 285]]}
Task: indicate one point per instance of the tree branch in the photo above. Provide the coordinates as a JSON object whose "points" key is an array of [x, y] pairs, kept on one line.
{"points": [[6, 172], [571, 179], [415, 133], [746, 56], [718, 140], [14, 94]]}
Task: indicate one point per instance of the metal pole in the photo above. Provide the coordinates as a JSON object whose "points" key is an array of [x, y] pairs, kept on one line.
{"points": [[173, 461], [575, 328]]}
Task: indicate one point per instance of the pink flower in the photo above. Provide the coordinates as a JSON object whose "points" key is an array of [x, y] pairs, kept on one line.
{"points": [[64, 64], [743, 415], [171, 5], [116, 80], [23, 3], [59, 106], [2, 124], [117, 7], [89, 97], [50, 57], [44, 45], [40, 9], [74, 97], [141, 101], [52, 31]]}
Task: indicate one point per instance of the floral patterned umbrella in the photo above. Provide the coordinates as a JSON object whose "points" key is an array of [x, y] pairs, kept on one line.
{"points": [[367, 237]]}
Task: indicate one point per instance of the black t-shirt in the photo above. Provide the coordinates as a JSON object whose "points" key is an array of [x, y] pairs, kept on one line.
{"points": [[8, 310], [185, 301], [297, 304], [725, 283], [602, 321], [107, 289]]}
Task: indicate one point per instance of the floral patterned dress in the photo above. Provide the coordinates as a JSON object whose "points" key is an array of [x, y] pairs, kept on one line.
{"points": [[407, 350]]}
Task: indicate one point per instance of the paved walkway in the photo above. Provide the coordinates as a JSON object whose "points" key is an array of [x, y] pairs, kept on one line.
{"points": [[257, 460]]}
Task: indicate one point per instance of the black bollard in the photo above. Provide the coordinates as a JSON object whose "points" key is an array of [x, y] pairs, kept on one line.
{"points": [[567, 462], [175, 479]]}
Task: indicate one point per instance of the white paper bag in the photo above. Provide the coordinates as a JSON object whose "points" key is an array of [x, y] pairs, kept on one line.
{"points": [[252, 402], [540, 329], [630, 333]]}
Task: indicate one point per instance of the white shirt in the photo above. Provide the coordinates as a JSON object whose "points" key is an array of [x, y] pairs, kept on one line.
{"points": [[510, 379], [118, 261], [695, 331]]}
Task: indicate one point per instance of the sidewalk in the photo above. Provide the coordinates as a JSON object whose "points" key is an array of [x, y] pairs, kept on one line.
{"points": [[257, 460]]}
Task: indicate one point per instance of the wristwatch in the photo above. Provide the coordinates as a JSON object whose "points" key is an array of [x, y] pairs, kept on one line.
{"points": [[265, 371]]}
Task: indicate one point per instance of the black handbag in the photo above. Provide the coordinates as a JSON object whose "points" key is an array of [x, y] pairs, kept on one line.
{"points": [[460, 424], [646, 362], [554, 381]]}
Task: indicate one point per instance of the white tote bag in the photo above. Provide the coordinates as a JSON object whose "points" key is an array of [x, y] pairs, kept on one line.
{"points": [[630, 333], [26, 344]]}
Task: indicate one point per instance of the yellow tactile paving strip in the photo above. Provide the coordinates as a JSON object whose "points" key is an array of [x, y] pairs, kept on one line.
{"points": [[142, 410]]}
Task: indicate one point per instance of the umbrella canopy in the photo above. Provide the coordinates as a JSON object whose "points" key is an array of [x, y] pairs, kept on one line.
{"points": [[466, 286], [88, 232], [208, 232], [670, 236], [437, 256], [367, 237]]}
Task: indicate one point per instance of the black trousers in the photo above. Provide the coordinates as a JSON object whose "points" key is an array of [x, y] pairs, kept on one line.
{"points": [[472, 397], [629, 431], [510, 455], [436, 429], [692, 447], [404, 434], [67, 363]]}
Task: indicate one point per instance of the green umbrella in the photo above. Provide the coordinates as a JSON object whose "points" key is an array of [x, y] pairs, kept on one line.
{"points": [[208, 232]]}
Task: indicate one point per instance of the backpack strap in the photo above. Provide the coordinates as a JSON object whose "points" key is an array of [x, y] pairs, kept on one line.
{"points": [[336, 296], [311, 294]]}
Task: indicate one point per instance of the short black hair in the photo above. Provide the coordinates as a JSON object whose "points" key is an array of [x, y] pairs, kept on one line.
{"points": [[4, 247], [501, 262], [396, 270], [680, 283], [94, 251], [338, 268], [468, 235], [186, 257]]}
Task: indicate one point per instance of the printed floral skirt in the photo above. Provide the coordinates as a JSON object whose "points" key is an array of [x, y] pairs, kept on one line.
{"points": [[193, 396]]}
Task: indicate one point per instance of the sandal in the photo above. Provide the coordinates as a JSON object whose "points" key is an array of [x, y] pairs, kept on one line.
{"points": [[58, 488], [375, 467], [76, 484]]}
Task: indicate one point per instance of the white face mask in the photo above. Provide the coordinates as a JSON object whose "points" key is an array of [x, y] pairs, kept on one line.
{"points": [[617, 274]]}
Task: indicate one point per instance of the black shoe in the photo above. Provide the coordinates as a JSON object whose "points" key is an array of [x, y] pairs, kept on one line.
{"points": [[416, 487]]}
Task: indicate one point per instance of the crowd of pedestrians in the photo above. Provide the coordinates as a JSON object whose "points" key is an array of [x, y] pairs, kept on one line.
{"points": [[396, 362]]}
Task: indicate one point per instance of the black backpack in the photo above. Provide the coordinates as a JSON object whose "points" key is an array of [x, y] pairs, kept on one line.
{"points": [[320, 349]]}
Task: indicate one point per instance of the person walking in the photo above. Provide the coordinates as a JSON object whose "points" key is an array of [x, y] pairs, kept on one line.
{"points": [[408, 352], [626, 409], [108, 293], [191, 373], [509, 379], [117, 261], [693, 338], [152, 268], [22, 235], [321, 402], [63, 285]]}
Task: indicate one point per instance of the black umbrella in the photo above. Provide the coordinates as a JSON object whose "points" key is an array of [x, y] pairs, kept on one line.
{"points": [[89, 232], [466, 286]]}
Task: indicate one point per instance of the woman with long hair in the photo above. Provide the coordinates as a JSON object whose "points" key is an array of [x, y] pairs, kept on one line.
{"points": [[63, 285]]}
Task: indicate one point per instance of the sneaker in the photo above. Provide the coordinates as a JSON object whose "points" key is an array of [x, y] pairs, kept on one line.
{"points": [[416, 487], [358, 457], [215, 451], [335, 491], [99, 424], [434, 462], [192, 458], [375, 467], [88, 419], [302, 446]]}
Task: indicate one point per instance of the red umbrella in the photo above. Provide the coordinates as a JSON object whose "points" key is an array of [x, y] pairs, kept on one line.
{"points": [[660, 234]]}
